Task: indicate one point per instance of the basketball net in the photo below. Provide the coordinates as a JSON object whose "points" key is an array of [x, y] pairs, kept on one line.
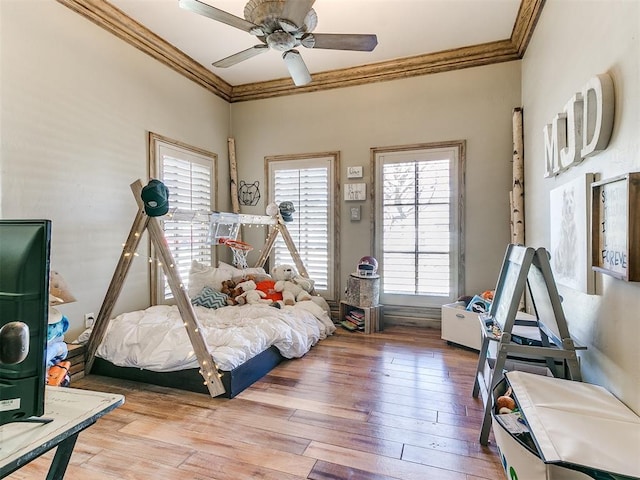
{"points": [[240, 251]]}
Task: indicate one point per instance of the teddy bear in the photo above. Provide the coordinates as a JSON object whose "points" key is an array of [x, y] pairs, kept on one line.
{"points": [[231, 290], [294, 287], [250, 294]]}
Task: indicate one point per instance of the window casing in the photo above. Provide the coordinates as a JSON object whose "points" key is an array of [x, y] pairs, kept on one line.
{"points": [[310, 183], [419, 223], [190, 175]]}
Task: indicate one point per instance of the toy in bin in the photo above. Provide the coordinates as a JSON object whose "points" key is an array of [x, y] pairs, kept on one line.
{"points": [[58, 374], [478, 304]]}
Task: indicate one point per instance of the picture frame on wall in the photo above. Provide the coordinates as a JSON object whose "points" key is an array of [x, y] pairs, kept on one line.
{"points": [[354, 172], [355, 191], [616, 228], [570, 234]]}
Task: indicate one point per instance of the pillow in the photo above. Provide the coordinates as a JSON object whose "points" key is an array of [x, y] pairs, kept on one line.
{"points": [[210, 298], [256, 277], [240, 272], [202, 275]]}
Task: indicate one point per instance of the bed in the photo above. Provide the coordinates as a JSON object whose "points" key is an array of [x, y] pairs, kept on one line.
{"points": [[245, 342], [220, 350]]}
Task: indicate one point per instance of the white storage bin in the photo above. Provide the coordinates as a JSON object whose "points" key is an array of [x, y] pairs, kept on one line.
{"points": [[461, 326], [578, 431]]}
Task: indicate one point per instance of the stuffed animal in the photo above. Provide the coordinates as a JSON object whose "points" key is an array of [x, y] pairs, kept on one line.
{"points": [[504, 403], [249, 294], [269, 288], [230, 289], [293, 286]]}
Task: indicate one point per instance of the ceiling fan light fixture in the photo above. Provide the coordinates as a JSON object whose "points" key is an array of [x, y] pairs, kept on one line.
{"points": [[269, 14], [287, 26], [282, 25], [281, 41], [262, 12], [297, 69]]}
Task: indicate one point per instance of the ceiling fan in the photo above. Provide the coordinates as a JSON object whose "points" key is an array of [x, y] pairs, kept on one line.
{"points": [[282, 25]]}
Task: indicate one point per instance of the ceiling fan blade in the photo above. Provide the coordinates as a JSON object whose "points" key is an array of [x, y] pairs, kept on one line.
{"points": [[217, 14], [297, 68], [240, 56], [340, 41], [296, 10]]}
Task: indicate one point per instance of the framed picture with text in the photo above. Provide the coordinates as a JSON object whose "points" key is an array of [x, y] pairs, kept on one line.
{"points": [[616, 226]]}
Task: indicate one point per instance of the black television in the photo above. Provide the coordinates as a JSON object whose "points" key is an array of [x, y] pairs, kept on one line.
{"points": [[25, 247]]}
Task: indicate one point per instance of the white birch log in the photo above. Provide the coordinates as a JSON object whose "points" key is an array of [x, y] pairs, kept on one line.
{"points": [[233, 179], [517, 194]]}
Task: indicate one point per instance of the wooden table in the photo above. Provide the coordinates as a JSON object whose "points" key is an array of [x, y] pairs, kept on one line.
{"points": [[71, 411]]}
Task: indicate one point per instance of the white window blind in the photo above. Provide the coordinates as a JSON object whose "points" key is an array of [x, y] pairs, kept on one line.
{"points": [[188, 174], [418, 226], [189, 185], [308, 184]]}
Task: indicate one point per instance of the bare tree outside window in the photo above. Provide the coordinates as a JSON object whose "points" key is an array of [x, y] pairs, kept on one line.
{"points": [[418, 224]]}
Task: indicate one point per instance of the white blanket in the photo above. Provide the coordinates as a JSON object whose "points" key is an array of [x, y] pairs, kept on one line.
{"points": [[156, 339]]}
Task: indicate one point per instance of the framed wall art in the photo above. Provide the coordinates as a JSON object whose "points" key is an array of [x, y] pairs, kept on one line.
{"points": [[354, 172], [355, 191], [570, 239], [616, 226]]}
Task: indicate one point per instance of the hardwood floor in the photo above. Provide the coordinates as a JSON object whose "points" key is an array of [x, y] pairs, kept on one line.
{"points": [[392, 405]]}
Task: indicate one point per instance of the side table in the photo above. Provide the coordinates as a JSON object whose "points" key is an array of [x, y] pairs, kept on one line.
{"points": [[70, 411]]}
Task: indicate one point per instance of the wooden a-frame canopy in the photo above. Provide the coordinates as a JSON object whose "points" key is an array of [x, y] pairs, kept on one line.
{"points": [[142, 222]]}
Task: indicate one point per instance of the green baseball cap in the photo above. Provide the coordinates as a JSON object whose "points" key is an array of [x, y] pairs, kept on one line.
{"points": [[155, 196]]}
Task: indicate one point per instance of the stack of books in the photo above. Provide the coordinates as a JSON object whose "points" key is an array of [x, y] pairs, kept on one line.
{"points": [[353, 320]]}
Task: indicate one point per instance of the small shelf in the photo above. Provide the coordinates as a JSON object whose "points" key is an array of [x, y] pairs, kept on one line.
{"points": [[369, 318], [76, 357]]}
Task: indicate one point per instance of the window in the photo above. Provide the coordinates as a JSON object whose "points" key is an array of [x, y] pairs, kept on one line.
{"points": [[419, 228], [310, 183], [189, 174]]}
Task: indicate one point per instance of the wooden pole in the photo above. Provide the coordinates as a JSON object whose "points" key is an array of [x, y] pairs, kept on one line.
{"points": [[268, 246], [293, 250], [517, 194], [208, 368], [233, 174], [115, 287], [282, 229], [233, 180]]}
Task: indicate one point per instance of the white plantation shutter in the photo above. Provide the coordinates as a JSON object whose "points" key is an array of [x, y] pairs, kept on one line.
{"points": [[308, 184], [188, 174], [418, 226], [189, 185]]}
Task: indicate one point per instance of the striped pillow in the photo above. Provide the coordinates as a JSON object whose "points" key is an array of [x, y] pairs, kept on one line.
{"points": [[210, 298]]}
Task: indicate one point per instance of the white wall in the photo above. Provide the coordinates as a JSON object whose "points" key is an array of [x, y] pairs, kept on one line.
{"points": [[77, 103], [573, 42], [474, 105]]}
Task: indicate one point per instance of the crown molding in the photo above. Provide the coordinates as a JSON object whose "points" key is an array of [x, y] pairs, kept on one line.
{"points": [[473, 56], [525, 24], [117, 22]]}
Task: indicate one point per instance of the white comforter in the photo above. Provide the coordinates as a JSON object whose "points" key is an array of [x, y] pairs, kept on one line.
{"points": [[156, 339]]}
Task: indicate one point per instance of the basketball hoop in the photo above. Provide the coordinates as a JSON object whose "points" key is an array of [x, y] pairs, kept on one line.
{"points": [[240, 251]]}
